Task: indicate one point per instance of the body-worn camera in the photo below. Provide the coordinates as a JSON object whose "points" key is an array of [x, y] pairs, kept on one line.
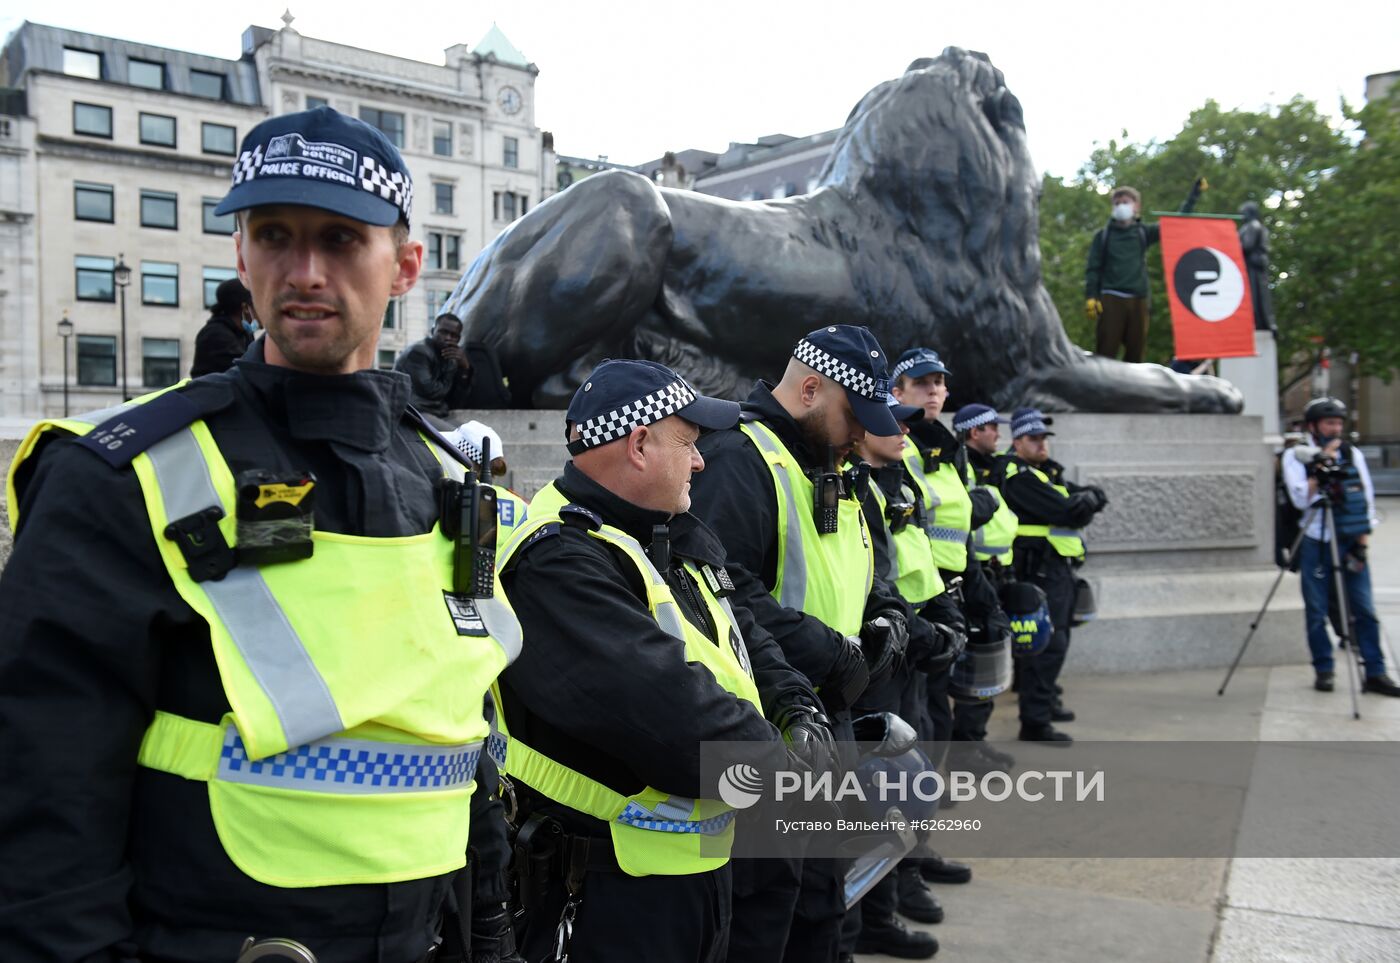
{"points": [[274, 512]]}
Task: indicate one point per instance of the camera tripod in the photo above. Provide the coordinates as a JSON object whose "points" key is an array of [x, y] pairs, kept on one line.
{"points": [[1346, 631]]}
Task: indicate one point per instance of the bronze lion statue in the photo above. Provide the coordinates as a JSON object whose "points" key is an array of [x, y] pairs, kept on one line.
{"points": [[924, 227]]}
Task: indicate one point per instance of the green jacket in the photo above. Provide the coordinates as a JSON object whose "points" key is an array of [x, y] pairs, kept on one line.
{"points": [[1118, 255]]}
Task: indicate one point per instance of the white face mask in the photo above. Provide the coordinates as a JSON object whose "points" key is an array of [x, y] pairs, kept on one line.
{"points": [[1123, 211]]}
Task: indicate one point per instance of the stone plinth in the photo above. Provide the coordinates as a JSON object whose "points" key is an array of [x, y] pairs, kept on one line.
{"points": [[1257, 379]]}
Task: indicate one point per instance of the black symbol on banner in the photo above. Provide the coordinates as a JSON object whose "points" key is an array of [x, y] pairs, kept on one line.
{"points": [[1209, 283]]}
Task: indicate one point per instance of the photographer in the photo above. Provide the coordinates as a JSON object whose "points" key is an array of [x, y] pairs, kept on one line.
{"points": [[1335, 472]]}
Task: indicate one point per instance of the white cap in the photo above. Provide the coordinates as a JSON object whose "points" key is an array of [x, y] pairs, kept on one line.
{"points": [[469, 437]]}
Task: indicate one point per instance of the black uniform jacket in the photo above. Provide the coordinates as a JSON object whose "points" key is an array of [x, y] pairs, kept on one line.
{"points": [[599, 686], [94, 638], [218, 345], [735, 496], [1035, 502]]}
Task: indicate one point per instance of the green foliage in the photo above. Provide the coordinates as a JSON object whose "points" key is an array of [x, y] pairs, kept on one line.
{"points": [[1329, 202]]}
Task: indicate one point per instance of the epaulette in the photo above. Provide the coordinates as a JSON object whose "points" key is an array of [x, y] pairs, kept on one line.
{"points": [[547, 530], [119, 439], [581, 517]]}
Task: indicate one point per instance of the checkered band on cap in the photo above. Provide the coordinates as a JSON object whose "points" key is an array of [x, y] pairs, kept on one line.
{"points": [[1029, 425], [246, 167], [976, 421], [396, 187], [923, 357], [620, 422], [865, 385]]}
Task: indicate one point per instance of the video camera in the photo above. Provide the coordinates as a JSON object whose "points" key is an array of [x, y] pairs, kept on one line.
{"points": [[1323, 467]]}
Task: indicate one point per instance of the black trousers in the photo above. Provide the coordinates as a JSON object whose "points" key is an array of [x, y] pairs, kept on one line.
{"points": [[970, 720], [1039, 673], [669, 919]]}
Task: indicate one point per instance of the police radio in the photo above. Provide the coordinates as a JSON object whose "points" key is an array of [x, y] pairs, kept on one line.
{"points": [[826, 488], [468, 513]]}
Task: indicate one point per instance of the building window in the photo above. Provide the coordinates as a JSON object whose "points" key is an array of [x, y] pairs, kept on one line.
{"points": [[442, 198], [158, 210], [391, 319], [511, 153], [160, 362], [93, 120], [92, 202], [312, 102], [218, 139], [442, 138], [507, 205], [388, 121], [436, 300], [158, 129], [95, 281], [206, 84], [217, 223], [160, 283], [97, 359], [386, 359], [565, 179], [145, 73], [444, 251], [82, 63], [213, 277]]}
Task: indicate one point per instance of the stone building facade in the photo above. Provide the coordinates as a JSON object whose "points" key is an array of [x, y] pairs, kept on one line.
{"points": [[113, 151]]}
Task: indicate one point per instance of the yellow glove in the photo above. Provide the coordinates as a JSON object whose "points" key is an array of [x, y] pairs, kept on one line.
{"points": [[1093, 309]]}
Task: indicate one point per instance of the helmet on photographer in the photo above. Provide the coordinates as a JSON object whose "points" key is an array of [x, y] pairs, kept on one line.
{"points": [[1320, 408]]}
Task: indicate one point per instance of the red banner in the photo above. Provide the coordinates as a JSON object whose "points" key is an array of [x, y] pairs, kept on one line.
{"points": [[1208, 288]]}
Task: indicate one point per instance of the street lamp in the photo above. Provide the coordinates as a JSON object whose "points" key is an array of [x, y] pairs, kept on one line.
{"points": [[122, 275], [65, 331]]}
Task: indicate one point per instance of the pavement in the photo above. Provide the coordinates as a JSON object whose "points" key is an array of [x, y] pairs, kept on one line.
{"points": [[1214, 910]]}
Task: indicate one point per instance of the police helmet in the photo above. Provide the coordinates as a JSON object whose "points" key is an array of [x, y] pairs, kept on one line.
{"points": [[1029, 611], [982, 671], [1320, 408], [1085, 607]]}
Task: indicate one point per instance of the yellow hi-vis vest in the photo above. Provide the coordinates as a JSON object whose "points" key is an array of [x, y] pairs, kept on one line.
{"points": [[912, 568], [511, 512], [994, 539], [355, 678], [1068, 542], [826, 576], [948, 507], [653, 832]]}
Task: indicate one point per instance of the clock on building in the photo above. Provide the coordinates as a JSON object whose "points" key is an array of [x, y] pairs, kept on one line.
{"points": [[510, 100]]}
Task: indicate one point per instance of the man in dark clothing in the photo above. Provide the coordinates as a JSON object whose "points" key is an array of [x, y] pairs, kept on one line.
{"points": [[227, 333], [1050, 511], [612, 702], [1115, 279], [121, 845], [839, 625], [448, 377]]}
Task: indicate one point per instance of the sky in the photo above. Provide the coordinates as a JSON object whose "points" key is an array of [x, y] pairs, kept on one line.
{"points": [[632, 80]]}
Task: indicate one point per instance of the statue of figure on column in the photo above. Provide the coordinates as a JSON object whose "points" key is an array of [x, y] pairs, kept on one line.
{"points": [[1254, 241]]}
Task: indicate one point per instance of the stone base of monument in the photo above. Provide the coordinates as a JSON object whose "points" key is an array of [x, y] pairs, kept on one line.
{"points": [[1180, 561]]}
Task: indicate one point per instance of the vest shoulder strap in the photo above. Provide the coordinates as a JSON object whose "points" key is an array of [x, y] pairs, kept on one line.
{"points": [[136, 428]]}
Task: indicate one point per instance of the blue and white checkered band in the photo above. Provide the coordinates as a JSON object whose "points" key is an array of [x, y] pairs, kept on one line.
{"points": [[985, 418], [1030, 426], [620, 422], [396, 187], [922, 358], [865, 385], [246, 167]]}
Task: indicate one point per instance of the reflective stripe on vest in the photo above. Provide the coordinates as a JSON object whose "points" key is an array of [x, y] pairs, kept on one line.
{"points": [[1067, 542], [948, 509], [912, 569], [994, 539], [817, 574], [653, 833]]}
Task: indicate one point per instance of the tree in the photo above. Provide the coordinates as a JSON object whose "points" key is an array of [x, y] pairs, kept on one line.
{"points": [[1279, 157]]}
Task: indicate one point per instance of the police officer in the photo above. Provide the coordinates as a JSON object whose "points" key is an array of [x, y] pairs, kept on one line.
{"points": [[978, 429], [801, 558], [1352, 515], [904, 558], [956, 507], [1050, 512], [636, 656], [254, 706]]}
